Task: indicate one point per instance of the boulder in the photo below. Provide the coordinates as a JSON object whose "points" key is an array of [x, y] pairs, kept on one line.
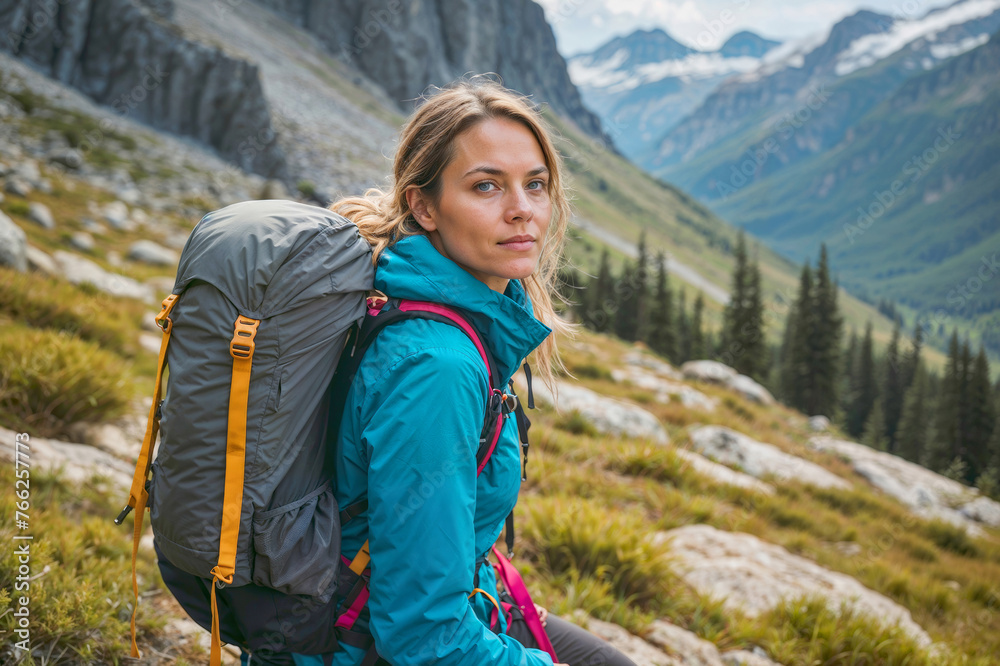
{"points": [[68, 157], [82, 241], [17, 186], [753, 576], [689, 649], [723, 474], [660, 367], [78, 462], [633, 647], [78, 270], [607, 415], [750, 390], [714, 372], [39, 261], [708, 371], [926, 493], [28, 170], [39, 214], [149, 252], [819, 423], [759, 459], [107, 437], [116, 214], [665, 389], [747, 658], [13, 245]]}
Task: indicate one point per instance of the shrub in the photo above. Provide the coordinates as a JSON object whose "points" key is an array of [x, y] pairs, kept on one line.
{"points": [[951, 537], [657, 462], [576, 423], [573, 535], [49, 380], [43, 302], [590, 371]]}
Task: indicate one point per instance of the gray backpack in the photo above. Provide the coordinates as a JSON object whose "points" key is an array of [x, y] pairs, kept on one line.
{"points": [[275, 286]]}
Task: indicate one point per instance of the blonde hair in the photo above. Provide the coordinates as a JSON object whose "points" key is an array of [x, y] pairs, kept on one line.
{"points": [[426, 146]]}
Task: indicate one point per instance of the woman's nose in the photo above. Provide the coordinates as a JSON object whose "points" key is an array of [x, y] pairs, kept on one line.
{"points": [[518, 206]]}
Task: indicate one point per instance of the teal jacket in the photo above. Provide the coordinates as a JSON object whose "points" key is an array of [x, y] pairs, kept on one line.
{"points": [[408, 445]]}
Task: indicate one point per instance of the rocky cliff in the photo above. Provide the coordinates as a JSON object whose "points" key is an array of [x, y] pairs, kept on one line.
{"points": [[406, 46], [130, 57]]}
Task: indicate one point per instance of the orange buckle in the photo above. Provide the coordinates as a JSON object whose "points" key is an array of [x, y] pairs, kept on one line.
{"points": [[163, 318], [377, 300], [242, 345]]}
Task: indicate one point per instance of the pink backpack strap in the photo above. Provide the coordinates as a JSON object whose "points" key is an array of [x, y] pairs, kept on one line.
{"points": [[517, 590]]}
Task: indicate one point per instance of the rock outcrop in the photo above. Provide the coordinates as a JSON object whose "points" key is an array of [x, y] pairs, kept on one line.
{"points": [[609, 416], [78, 462], [723, 474], [759, 459], [406, 46], [13, 245], [125, 56], [926, 493], [753, 576], [720, 373]]}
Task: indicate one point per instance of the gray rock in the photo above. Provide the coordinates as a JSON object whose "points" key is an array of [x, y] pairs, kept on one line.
{"points": [[665, 389], [982, 510], [82, 241], [759, 459], [123, 56], [708, 371], [633, 647], [116, 214], [28, 170], [747, 658], [13, 245], [609, 416], [77, 462], [45, 186], [78, 270], [924, 492], [39, 214], [40, 261], [723, 474], [753, 576], [819, 423], [17, 186], [750, 390], [690, 650], [68, 157], [274, 189], [149, 252]]}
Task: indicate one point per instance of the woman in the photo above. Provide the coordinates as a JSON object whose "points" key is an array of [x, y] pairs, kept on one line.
{"points": [[475, 220]]}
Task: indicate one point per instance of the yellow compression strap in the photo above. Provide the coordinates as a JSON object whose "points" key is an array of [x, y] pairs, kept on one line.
{"points": [[137, 495], [361, 560], [241, 348]]}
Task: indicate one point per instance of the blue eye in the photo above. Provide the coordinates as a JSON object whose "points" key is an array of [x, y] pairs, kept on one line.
{"points": [[539, 183], [479, 186]]}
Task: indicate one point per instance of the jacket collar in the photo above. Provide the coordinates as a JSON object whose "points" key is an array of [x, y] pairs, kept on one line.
{"points": [[413, 269]]}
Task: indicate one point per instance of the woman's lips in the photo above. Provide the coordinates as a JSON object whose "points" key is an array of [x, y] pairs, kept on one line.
{"points": [[518, 243]]}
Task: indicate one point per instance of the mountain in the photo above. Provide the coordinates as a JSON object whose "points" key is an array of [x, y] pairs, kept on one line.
{"points": [[643, 83], [793, 148], [407, 46]]}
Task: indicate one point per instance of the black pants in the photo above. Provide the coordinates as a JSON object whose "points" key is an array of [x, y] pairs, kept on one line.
{"points": [[573, 645]]}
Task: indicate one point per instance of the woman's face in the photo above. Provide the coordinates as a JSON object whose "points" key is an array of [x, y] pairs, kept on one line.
{"points": [[493, 207]]}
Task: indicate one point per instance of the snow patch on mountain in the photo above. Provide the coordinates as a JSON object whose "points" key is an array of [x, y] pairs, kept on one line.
{"points": [[866, 51]]}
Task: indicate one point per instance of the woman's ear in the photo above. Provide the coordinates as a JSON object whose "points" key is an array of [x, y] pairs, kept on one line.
{"points": [[420, 208]]}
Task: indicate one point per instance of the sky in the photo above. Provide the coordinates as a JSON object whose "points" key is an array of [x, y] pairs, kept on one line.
{"points": [[583, 25]]}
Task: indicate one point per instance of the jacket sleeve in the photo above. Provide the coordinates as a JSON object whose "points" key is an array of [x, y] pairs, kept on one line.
{"points": [[423, 419]]}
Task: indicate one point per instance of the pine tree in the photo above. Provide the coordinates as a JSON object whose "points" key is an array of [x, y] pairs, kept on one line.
{"points": [[864, 389], [823, 341], [641, 290], [912, 433], [913, 357], [698, 346], [979, 426], [874, 430], [683, 330], [600, 300], [799, 326], [742, 343], [626, 319], [892, 388], [662, 338], [945, 446]]}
